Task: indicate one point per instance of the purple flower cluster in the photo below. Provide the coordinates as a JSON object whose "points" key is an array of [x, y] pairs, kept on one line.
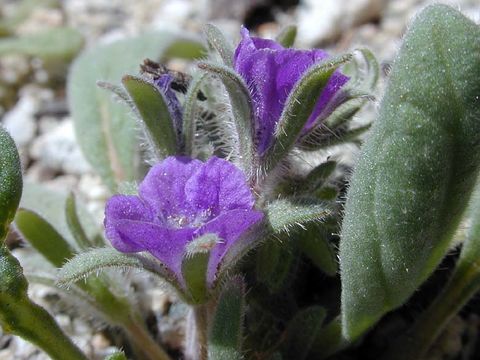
{"points": [[271, 71], [180, 200]]}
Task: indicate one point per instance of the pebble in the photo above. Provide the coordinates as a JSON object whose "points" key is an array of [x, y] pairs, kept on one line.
{"points": [[58, 150]]}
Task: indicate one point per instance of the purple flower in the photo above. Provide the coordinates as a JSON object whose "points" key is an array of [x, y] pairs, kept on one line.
{"points": [[179, 200], [271, 71]]}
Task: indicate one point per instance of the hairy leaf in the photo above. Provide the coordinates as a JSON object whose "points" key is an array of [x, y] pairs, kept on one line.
{"points": [[417, 169]]}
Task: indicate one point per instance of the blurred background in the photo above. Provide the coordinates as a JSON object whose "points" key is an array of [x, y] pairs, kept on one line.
{"points": [[39, 39]]}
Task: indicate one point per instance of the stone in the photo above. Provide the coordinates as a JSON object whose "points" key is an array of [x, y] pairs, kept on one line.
{"points": [[58, 150]]}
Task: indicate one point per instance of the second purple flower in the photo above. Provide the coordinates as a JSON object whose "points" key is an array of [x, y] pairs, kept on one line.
{"points": [[271, 71]]}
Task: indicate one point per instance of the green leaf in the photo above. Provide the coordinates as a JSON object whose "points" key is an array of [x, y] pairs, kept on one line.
{"points": [[74, 224], [43, 237], [285, 214], [417, 169], [155, 115], [315, 245], [225, 338], [190, 112], [89, 262], [10, 181], [51, 205], [184, 48], [242, 112], [298, 107], [60, 43], [217, 41], [301, 332], [104, 128], [318, 176], [287, 36], [195, 264]]}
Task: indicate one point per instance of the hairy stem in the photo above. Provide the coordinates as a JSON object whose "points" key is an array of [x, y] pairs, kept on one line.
{"points": [[197, 333]]}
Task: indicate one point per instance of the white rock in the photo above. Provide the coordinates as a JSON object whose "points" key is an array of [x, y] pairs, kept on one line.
{"points": [[58, 150], [20, 121], [320, 21]]}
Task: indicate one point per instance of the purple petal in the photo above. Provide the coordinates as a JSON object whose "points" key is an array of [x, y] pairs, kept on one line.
{"points": [[120, 208], [164, 186], [229, 227], [163, 83], [218, 186], [167, 245], [271, 72]]}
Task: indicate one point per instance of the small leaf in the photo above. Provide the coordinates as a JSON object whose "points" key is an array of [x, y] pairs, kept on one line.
{"points": [[218, 42], [225, 338], [155, 115], [287, 36], [43, 237], [84, 264], [190, 112], [242, 112], [315, 245], [50, 44], [194, 267], [301, 332], [318, 176], [10, 181], [417, 169], [298, 107], [74, 224], [285, 214]]}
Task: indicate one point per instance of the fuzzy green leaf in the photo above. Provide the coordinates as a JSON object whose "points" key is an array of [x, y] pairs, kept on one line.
{"points": [[301, 332], [43, 237], [315, 245], [217, 41], [225, 338], [285, 214], [84, 264], [155, 115], [194, 267], [104, 128], [190, 113], [242, 112], [10, 181], [287, 36], [417, 169], [298, 108]]}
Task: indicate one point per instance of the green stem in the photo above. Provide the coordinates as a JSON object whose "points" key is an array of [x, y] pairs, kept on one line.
{"points": [[197, 333], [143, 340], [21, 317], [464, 283]]}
